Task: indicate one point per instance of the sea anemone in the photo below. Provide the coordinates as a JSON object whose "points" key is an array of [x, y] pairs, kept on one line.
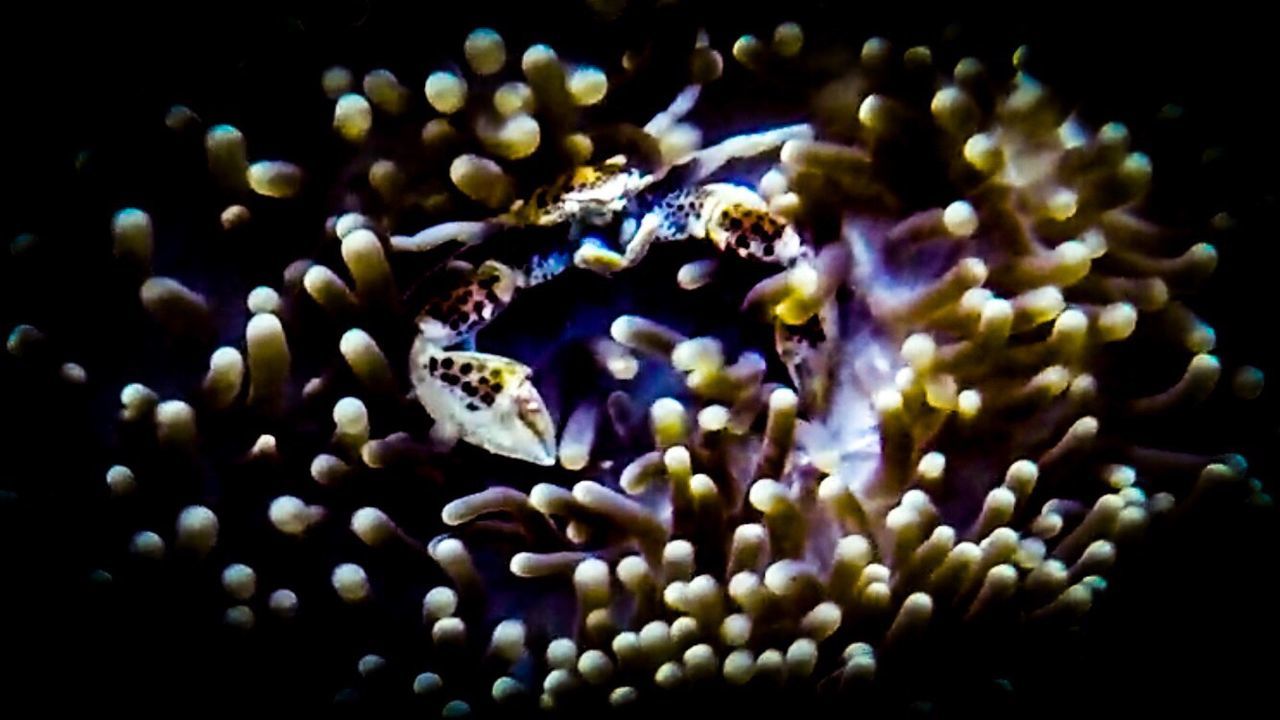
{"points": [[399, 366]]}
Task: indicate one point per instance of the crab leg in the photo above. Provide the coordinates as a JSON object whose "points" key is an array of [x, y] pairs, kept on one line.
{"points": [[644, 236], [709, 160], [665, 120], [467, 232]]}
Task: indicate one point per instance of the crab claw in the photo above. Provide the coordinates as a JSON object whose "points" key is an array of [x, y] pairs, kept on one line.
{"points": [[738, 220], [468, 304], [489, 400]]}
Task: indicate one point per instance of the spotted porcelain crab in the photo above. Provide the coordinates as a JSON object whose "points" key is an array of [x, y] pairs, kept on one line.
{"points": [[490, 401]]}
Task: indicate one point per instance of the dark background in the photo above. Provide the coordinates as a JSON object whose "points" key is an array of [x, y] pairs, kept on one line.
{"points": [[1194, 627]]}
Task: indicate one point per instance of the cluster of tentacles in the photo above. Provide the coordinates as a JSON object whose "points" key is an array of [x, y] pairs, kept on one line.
{"points": [[935, 429]]}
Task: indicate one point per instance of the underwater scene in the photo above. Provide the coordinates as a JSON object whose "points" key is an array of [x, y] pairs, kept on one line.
{"points": [[608, 358]]}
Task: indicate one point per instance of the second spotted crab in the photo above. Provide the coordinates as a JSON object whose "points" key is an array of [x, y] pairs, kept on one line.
{"points": [[489, 400]]}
